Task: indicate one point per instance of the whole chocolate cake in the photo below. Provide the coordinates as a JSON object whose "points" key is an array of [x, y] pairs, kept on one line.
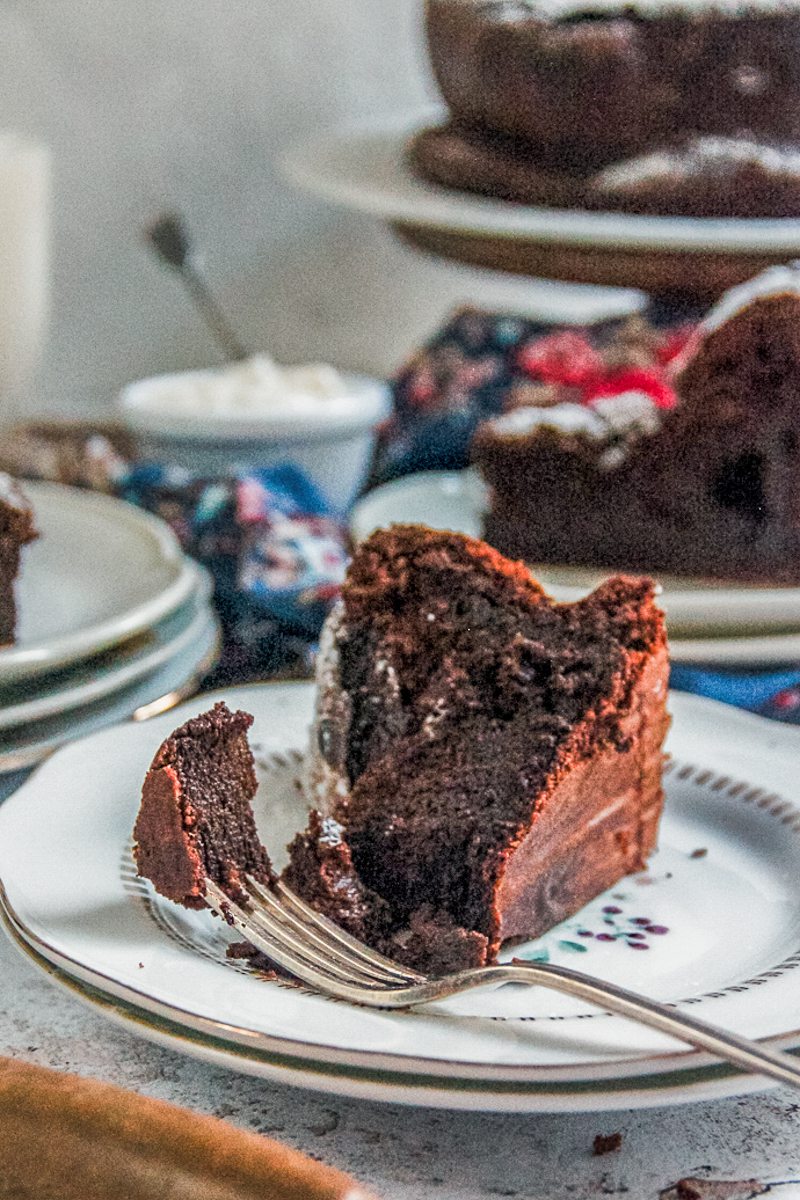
{"points": [[484, 761], [17, 528], [196, 820], [705, 486], [545, 96]]}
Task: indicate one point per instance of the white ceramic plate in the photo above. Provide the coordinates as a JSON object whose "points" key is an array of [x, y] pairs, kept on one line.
{"points": [[100, 572], [363, 167], [721, 902], [695, 609], [178, 677], [95, 678]]}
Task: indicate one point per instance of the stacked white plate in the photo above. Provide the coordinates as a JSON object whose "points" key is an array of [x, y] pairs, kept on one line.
{"points": [[114, 621], [709, 622]]}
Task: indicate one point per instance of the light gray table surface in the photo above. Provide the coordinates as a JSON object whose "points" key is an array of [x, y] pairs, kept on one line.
{"points": [[406, 1153]]}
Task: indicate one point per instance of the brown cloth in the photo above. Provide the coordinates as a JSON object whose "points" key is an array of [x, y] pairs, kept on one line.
{"points": [[66, 1138]]}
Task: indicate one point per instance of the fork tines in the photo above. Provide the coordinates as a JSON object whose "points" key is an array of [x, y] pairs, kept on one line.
{"points": [[308, 945]]}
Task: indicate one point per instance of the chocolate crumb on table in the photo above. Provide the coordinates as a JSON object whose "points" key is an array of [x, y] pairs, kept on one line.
{"points": [[606, 1143]]}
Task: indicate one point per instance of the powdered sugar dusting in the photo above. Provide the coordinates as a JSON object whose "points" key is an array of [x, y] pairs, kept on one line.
{"points": [[629, 412], [699, 155], [11, 493], [565, 418], [324, 784], [557, 9], [775, 281]]}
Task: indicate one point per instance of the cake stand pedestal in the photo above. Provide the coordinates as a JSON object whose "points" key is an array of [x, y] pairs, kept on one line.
{"points": [[701, 277]]}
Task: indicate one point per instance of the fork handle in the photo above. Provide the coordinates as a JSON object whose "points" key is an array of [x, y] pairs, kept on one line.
{"points": [[740, 1051]]}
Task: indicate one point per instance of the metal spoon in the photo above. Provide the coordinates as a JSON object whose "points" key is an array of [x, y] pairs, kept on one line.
{"points": [[170, 239]]}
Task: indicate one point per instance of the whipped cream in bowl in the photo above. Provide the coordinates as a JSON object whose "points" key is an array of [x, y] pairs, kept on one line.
{"points": [[252, 398], [258, 413]]}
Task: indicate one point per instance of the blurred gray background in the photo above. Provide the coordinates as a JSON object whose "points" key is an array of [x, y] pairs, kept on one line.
{"points": [[187, 104]]}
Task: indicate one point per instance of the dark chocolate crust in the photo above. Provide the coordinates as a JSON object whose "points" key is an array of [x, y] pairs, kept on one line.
{"points": [[478, 714], [588, 89], [711, 493], [196, 820], [492, 165]]}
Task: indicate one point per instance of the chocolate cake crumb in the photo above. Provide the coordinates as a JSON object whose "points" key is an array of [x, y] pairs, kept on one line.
{"points": [[244, 952], [701, 852], [606, 1143]]}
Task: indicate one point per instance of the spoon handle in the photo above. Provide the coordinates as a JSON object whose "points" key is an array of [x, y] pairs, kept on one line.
{"points": [[169, 238], [227, 339]]}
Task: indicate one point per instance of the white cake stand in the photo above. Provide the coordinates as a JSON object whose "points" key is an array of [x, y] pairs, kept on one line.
{"points": [[363, 167]]}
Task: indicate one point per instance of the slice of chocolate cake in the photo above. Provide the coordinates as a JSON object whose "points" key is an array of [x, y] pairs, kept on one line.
{"points": [[492, 760], [702, 177], [485, 761], [17, 528], [196, 820], [707, 487]]}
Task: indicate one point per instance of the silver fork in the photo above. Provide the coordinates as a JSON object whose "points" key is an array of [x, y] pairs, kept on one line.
{"points": [[317, 952]]}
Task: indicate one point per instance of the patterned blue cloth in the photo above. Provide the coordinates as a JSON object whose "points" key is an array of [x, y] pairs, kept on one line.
{"points": [[275, 552], [773, 693]]}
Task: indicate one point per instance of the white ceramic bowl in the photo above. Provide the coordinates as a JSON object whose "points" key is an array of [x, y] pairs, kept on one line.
{"points": [[332, 444]]}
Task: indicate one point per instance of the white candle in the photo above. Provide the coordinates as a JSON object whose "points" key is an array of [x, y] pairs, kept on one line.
{"points": [[24, 265]]}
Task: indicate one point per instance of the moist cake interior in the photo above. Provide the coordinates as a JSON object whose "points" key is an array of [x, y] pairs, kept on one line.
{"points": [[463, 698], [196, 818]]}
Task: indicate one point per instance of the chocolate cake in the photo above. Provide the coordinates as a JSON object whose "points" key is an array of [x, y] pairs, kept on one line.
{"points": [[17, 528], [488, 760], [546, 95], [484, 761], [705, 487], [196, 820]]}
